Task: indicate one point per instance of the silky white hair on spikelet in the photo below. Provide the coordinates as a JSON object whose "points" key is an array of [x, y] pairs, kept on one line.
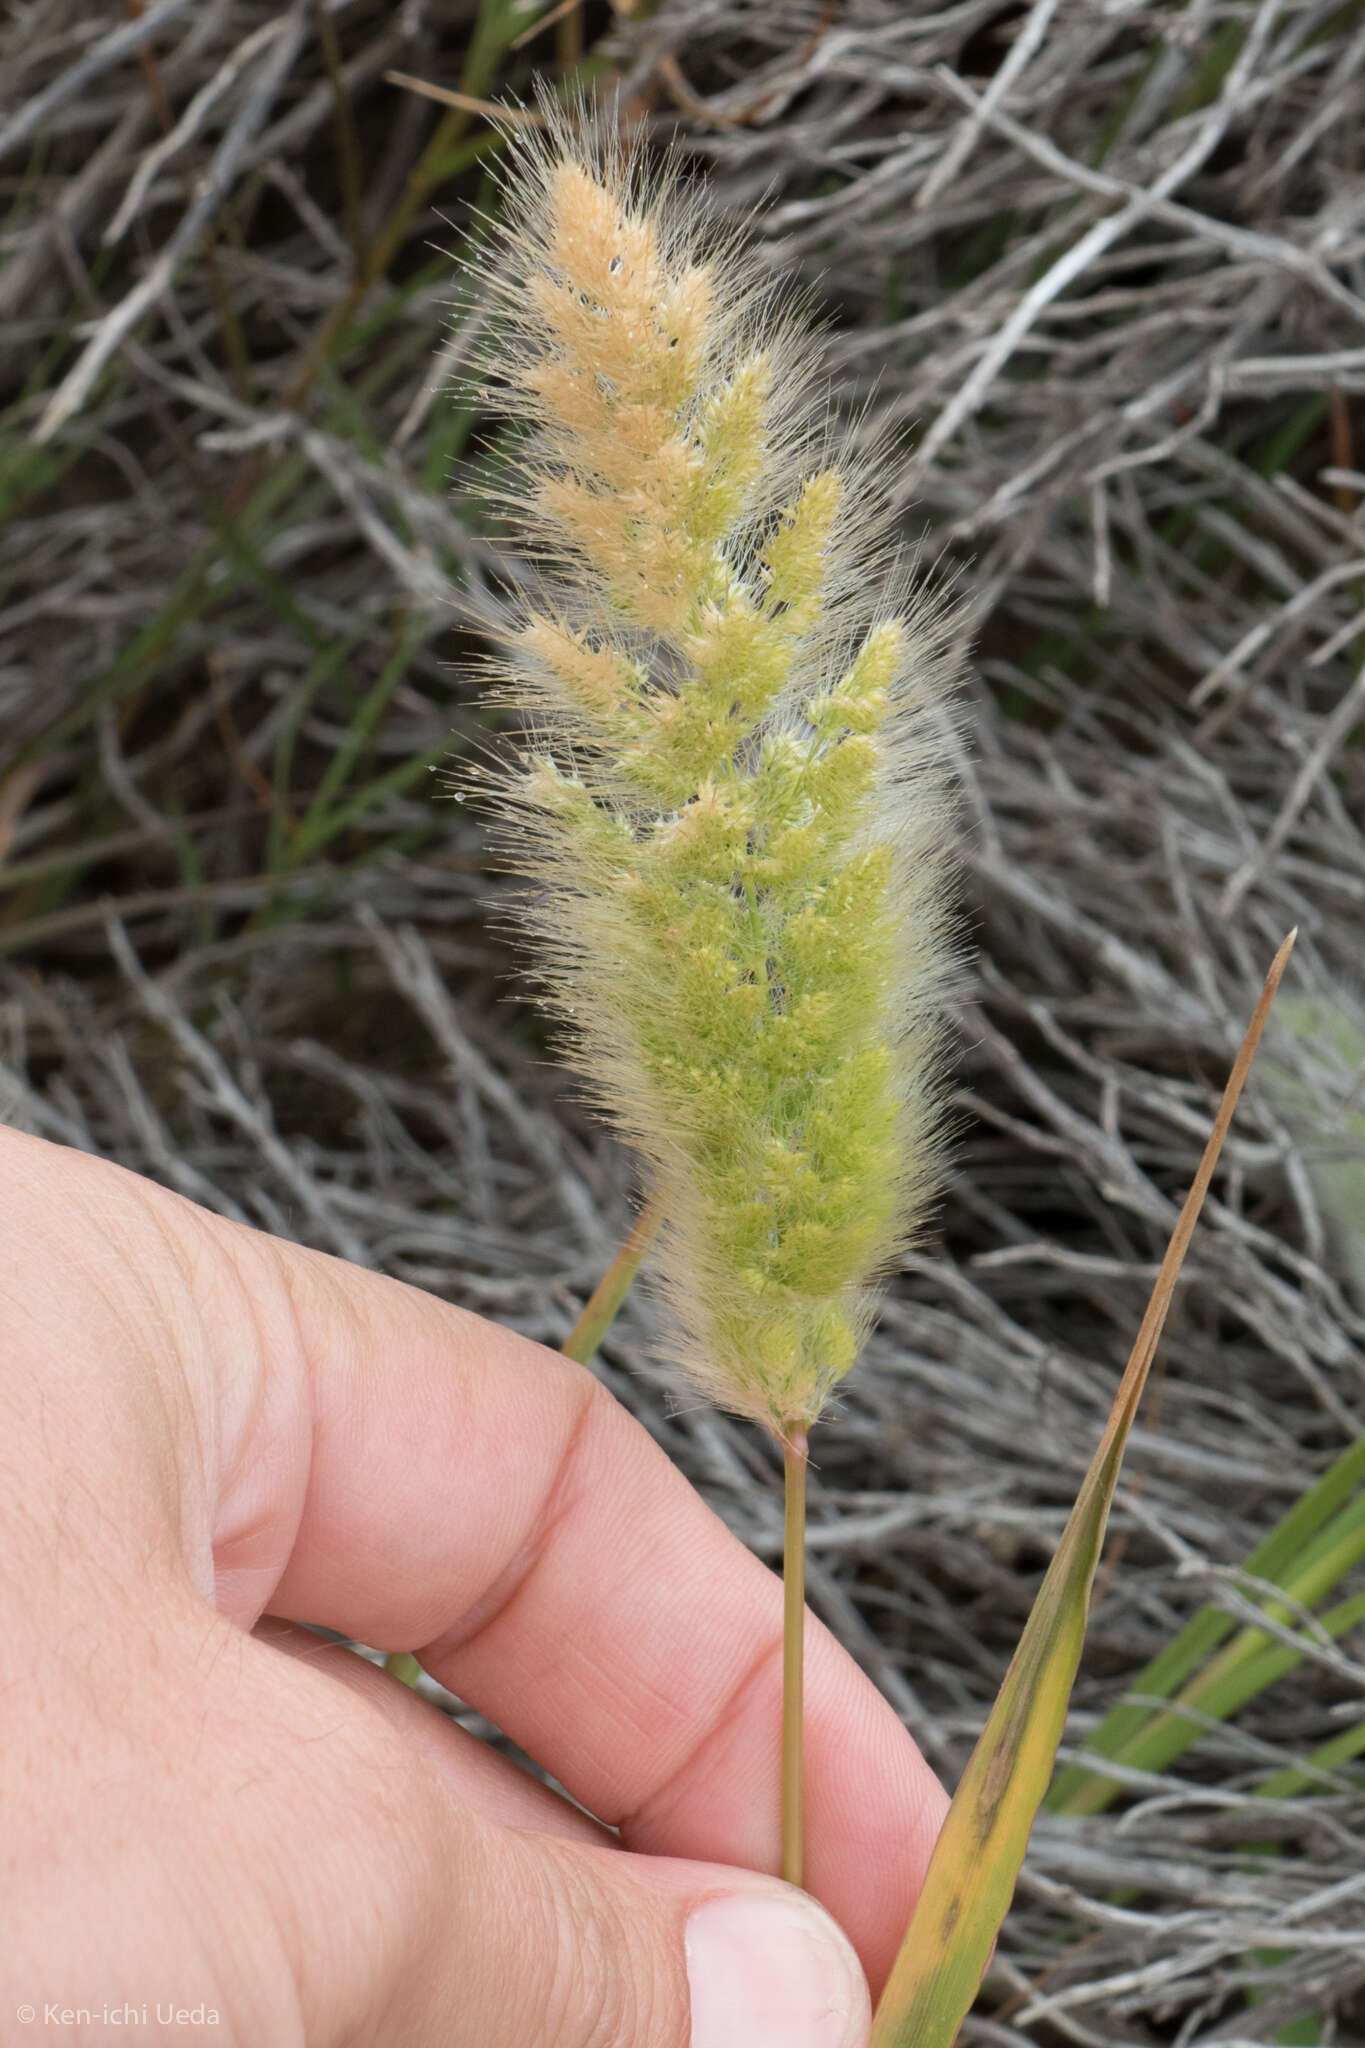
{"points": [[731, 798]]}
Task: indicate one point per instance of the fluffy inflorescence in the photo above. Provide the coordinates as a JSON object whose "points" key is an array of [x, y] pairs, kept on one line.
{"points": [[731, 799]]}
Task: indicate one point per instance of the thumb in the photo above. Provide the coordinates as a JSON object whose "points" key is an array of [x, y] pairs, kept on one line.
{"points": [[409, 1915], [590, 1947]]}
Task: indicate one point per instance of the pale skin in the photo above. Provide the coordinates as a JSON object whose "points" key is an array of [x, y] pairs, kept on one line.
{"points": [[208, 1437]]}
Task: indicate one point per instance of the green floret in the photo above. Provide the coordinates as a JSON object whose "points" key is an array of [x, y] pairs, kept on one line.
{"points": [[733, 900]]}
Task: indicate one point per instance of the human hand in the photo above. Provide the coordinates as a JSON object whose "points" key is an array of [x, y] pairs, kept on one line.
{"points": [[200, 1426]]}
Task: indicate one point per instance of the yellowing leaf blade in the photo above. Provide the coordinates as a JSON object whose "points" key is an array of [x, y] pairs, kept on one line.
{"points": [[971, 1877]]}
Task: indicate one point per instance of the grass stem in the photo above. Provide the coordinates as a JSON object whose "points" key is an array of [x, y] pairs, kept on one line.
{"points": [[599, 1311], [795, 1457]]}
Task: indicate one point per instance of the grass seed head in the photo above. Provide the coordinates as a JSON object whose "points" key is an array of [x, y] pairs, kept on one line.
{"points": [[732, 798]]}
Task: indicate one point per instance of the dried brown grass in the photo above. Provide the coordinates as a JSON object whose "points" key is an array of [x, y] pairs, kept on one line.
{"points": [[1105, 269]]}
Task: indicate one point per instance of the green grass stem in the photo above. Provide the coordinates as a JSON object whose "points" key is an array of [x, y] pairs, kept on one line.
{"points": [[603, 1304], [795, 1458]]}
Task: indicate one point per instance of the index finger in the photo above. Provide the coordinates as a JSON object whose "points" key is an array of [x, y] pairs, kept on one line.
{"points": [[486, 1501], [354, 1452]]}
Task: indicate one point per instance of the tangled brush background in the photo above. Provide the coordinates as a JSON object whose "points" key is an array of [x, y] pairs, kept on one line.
{"points": [[1101, 269]]}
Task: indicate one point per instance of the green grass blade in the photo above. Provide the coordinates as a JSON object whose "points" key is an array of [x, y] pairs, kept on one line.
{"points": [[1317, 1526], [971, 1876], [391, 783], [1308, 2028], [323, 671], [1329, 1757], [322, 821], [1221, 1693]]}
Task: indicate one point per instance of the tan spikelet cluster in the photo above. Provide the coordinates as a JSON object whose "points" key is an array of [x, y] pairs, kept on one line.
{"points": [[731, 799]]}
